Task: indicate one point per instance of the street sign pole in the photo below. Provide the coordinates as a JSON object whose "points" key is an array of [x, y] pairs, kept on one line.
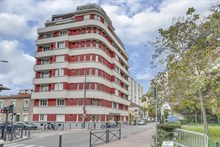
{"points": [[155, 97], [84, 103], [6, 121]]}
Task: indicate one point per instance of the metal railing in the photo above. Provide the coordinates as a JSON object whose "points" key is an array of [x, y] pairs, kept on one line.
{"points": [[185, 138], [105, 136]]}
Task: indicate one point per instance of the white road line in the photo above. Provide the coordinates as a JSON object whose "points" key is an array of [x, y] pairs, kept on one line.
{"points": [[15, 145], [9, 144], [30, 146]]}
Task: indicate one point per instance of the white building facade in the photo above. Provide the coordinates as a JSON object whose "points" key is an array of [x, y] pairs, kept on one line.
{"points": [[136, 92], [81, 70]]}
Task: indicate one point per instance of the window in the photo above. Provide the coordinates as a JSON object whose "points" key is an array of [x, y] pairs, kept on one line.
{"points": [[77, 86], [114, 105], [60, 118], [25, 117], [94, 102], [60, 102], [90, 85], [59, 72], [117, 81], [96, 58], [78, 58], [116, 92], [44, 88], [63, 33], [90, 117], [96, 86], [77, 102], [86, 17], [13, 102], [90, 57], [96, 72], [90, 71], [43, 117], [46, 48], [45, 61], [58, 86], [78, 72], [60, 58], [91, 102], [117, 69], [1, 104], [26, 104], [98, 102], [43, 103], [84, 57], [61, 44], [98, 118], [45, 74]]}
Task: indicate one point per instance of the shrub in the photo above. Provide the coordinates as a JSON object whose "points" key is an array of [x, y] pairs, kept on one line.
{"points": [[169, 127]]}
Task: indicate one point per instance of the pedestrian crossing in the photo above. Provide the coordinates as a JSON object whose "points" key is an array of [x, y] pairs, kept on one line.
{"points": [[20, 145]]}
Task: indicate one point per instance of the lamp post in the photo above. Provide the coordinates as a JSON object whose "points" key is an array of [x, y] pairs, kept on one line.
{"points": [[84, 103], [155, 97]]}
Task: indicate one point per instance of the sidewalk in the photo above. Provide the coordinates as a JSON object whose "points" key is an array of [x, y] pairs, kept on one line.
{"points": [[143, 139]]}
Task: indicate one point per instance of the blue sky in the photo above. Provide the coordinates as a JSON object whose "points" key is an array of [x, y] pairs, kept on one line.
{"points": [[135, 22]]}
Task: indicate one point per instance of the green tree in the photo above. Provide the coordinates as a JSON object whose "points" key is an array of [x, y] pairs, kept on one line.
{"points": [[190, 51]]}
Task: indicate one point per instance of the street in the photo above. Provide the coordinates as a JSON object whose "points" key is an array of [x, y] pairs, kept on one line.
{"points": [[77, 138]]}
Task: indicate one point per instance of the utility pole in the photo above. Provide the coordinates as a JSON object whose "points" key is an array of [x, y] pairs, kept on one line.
{"points": [[155, 97], [84, 102]]}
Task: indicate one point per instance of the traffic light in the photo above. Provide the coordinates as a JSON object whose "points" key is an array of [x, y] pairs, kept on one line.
{"points": [[4, 110], [11, 108]]}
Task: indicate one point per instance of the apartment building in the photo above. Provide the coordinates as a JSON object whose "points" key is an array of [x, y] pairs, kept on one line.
{"points": [[81, 70], [23, 106], [136, 92]]}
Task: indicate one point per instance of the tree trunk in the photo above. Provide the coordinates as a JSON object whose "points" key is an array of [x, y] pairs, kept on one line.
{"points": [[195, 117], [205, 122], [195, 113]]}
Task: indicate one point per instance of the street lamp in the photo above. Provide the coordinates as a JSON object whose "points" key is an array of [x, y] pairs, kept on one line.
{"points": [[84, 102], [155, 97], [1, 86]]}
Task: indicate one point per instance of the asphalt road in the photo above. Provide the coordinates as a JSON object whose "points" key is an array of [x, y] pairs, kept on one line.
{"points": [[73, 138]]}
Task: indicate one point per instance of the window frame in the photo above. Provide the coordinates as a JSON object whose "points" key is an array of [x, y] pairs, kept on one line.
{"points": [[59, 101], [43, 102], [28, 103]]}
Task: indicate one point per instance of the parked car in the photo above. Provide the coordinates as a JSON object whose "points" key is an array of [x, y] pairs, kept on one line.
{"points": [[25, 125], [141, 122]]}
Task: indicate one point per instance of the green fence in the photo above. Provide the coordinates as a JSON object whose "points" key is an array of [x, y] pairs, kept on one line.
{"points": [[214, 144]]}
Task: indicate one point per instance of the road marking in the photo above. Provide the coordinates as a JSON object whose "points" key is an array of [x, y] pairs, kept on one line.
{"points": [[14, 145], [21, 145]]}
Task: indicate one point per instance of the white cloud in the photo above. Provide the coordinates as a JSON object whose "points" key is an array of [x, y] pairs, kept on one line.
{"points": [[18, 72], [144, 24], [145, 74], [135, 21]]}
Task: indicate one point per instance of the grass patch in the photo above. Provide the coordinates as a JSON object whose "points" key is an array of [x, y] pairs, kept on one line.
{"points": [[214, 131]]}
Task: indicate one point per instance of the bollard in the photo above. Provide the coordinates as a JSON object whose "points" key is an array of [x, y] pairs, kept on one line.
{"points": [[25, 132], [22, 132], [120, 134], [62, 127], [90, 139], [70, 127], [1, 143], [60, 140], [107, 136], [29, 133]]}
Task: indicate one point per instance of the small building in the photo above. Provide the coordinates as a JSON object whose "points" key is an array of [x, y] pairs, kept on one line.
{"points": [[23, 107], [134, 113]]}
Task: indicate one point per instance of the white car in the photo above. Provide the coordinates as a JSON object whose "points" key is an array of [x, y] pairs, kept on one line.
{"points": [[140, 122]]}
